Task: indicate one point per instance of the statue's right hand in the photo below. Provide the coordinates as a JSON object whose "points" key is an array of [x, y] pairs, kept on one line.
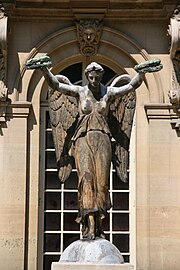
{"points": [[38, 62]]}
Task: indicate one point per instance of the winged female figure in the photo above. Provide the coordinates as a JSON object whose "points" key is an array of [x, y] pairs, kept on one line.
{"points": [[84, 119]]}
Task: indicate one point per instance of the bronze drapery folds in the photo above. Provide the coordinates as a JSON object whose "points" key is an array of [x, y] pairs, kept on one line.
{"points": [[84, 120]]}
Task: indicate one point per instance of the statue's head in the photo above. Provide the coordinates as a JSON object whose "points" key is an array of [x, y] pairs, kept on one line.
{"points": [[94, 67], [94, 73]]}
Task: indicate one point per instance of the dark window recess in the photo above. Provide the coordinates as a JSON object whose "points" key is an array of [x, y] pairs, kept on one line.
{"points": [[108, 75], [49, 140], [51, 160], [72, 181], [52, 181], [70, 201], [52, 221], [118, 184], [74, 73], [120, 222], [48, 259], [48, 122], [121, 241], [106, 223], [69, 238], [126, 258], [120, 201], [52, 201], [69, 222], [51, 243]]}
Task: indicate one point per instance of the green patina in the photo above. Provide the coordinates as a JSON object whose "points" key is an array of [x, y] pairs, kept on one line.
{"points": [[38, 62]]}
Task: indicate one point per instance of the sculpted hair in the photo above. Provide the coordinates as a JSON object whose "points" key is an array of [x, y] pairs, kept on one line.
{"points": [[94, 67]]}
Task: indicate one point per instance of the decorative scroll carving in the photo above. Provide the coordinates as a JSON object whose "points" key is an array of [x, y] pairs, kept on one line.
{"points": [[174, 33], [89, 33], [3, 59]]}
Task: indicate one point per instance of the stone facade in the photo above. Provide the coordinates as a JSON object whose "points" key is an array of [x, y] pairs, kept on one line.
{"points": [[132, 31]]}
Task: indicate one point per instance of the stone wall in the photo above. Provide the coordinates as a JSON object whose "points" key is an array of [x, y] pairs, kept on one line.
{"points": [[132, 32]]}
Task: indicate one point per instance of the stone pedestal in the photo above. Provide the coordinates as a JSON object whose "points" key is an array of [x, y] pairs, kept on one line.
{"points": [[98, 251], [90, 266], [98, 254]]}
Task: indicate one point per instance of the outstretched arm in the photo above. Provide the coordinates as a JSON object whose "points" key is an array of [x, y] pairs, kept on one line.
{"points": [[68, 89], [131, 86]]}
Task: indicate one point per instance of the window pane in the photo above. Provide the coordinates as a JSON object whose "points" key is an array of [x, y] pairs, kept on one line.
{"points": [[109, 74], [70, 238], [51, 160], [70, 200], [126, 258], [48, 260], [52, 180], [51, 242], [73, 72], [121, 241], [52, 221], [120, 201], [105, 223], [120, 222], [72, 181], [118, 184], [52, 200], [70, 223], [48, 122], [49, 140]]}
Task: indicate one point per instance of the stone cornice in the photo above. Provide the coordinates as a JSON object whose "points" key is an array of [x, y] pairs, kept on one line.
{"points": [[159, 111], [18, 109], [10, 110], [163, 112], [66, 9]]}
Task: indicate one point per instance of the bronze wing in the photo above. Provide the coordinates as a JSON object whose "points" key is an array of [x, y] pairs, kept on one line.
{"points": [[120, 120], [63, 111]]}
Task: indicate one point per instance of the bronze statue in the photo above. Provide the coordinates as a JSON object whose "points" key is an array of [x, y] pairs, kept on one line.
{"points": [[84, 119]]}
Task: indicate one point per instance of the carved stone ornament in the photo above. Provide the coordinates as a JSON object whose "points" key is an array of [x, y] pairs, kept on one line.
{"points": [[3, 59], [89, 33], [174, 33]]}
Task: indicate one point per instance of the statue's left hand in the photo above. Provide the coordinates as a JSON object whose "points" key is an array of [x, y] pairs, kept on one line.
{"points": [[38, 62], [149, 66]]}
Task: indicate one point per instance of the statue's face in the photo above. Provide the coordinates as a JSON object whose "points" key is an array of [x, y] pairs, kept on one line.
{"points": [[94, 78]]}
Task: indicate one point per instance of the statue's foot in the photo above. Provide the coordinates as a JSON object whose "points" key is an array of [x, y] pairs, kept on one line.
{"points": [[85, 231], [91, 236], [91, 232]]}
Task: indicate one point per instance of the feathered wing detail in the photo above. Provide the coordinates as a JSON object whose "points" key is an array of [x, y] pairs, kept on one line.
{"points": [[63, 112], [120, 119]]}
